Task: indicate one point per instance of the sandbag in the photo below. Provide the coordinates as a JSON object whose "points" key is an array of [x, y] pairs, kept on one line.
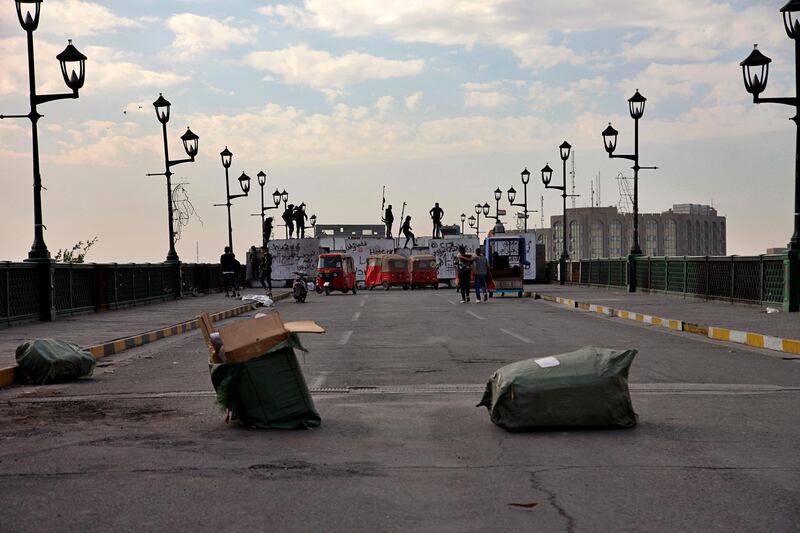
{"points": [[45, 361], [268, 391], [586, 388]]}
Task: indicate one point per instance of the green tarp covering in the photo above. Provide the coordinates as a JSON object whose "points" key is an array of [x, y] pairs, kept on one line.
{"points": [[586, 388], [268, 391], [45, 361]]}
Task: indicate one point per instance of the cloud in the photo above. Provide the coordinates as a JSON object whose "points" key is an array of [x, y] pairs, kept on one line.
{"points": [[301, 65], [577, 94], [412, 101], [491, 95], [384, 104], [196, 34], [79, 18]]}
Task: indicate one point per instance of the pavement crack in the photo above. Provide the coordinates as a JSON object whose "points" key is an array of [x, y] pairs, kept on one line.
{"points": [[552, 499]]}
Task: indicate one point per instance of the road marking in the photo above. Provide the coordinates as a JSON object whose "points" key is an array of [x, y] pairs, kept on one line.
{"points": [[518, 337], [356, 316], [345, 338], [476, 316], [362, 303], [318, 381], [451, 302]]}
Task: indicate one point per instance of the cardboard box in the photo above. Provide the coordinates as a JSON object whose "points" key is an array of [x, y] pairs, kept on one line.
{"points": [[252, 338]]}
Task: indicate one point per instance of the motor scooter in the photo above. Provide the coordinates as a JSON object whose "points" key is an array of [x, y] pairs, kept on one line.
{"points": [[300, 287]]}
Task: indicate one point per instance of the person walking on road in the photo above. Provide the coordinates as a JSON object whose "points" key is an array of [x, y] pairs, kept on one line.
{"points": [[288, 219], [406, 229], [388, 219], [437, 213], [230, 269], [463, 264], [265, 271], [480, 266], [300, 218]]}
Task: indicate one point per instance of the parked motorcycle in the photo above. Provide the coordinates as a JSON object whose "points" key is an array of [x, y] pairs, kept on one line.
{"points": [[300, 287]]}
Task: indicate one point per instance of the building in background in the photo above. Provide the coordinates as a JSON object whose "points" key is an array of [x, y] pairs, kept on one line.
{"points": [[350, 230], [594, 232]]}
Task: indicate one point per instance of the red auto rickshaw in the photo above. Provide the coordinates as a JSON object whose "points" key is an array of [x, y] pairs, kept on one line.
{"points": [[335, 272], [424, 271], [387, 270]]}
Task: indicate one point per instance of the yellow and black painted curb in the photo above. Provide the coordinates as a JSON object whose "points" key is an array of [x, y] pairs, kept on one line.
{"points": [[756, 340], [120, 345]]}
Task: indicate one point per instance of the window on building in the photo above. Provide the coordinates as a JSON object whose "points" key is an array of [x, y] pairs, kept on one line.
{"points": [[597, 240], [651, 237], [699, 245], [628, 237], [670, 238], [707, 239], [689, 240], [715, 239], [558, 239], [615, 239], [575, 240]]}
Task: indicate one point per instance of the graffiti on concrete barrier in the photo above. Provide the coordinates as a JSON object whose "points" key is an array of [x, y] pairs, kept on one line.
{"points": [[361, 249], [291, 255], [446, 250]]}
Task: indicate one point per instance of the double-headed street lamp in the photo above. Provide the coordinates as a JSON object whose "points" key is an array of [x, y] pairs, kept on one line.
{"points": [[475, 223], [244, 183], [636, 105], [512, 195], [755, 70], [276, 199], [547, 176], [73, 71], [190, 140]]}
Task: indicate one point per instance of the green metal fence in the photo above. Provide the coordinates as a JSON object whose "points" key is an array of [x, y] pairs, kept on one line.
{"points": [[756, 279], [81, 288]]}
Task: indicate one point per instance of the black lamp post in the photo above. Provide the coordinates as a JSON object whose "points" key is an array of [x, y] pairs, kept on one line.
{"points": [[190, 140], [512, 195], [463, 218], [636, 105], [547, 176], [276, 199], [755, 71], [244, 183], [285, 199], [73, 71], [498, 195]]}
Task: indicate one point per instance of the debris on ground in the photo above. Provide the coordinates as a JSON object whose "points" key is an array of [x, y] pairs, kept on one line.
{"points": [[45, 361], [266, 301]]}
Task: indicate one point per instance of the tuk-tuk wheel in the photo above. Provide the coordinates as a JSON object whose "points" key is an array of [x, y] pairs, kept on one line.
{"points": [[371, 287], [436, 286], [354, 288], [519, 294], [386, 285], [405, 287], [491, 295], [327, 291]]}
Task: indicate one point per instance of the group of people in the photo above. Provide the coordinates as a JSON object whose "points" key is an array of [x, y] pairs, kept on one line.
{"points": [[261, 268], [295, 218], [436, 212], [467, 264]]}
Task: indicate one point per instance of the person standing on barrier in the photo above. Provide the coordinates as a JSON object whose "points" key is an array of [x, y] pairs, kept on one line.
{"points": [[437, 213], [481, 268], [265, 271], [406, 229], [463, 266], [388, 219], [230, 269], [300, 218], [288, 219]]}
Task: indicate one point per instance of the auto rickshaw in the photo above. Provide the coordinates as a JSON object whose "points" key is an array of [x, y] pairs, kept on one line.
{"points": [[424, 271], [507, 263], [335, 272], [387, 270]]}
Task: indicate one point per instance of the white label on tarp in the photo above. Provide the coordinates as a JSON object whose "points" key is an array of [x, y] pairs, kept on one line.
{"points": [[547, 362]]}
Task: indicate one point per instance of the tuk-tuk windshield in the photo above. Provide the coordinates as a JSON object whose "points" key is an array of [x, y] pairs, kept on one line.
{"points": [[397, 265], [330, 262], [426, 264]]}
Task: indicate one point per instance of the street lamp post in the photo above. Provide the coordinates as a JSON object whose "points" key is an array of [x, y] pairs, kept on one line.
{"points": [[276, 199], [755, 71], [285, 198], [463, 218], [547, 176], [73, 71], [190, 140], [636, 105], [244, 183], [512, 195]]}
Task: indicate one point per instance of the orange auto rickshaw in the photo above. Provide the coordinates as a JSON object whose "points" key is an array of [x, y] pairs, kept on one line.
{"points": [[424, 271], [387, 270], [335, 272]]}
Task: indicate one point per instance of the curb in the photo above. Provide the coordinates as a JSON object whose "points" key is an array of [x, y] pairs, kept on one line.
{"points": [[755, 340], [115, 346]]}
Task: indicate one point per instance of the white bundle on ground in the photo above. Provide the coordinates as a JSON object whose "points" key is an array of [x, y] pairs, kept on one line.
{"points": [[266, 301]]}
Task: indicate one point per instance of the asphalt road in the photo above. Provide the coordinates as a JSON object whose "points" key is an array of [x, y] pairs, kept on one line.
{"points": [[402, 446]]}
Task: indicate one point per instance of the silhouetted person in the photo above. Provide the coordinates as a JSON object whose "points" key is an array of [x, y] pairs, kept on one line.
{"points": [[288, 219], [388, 219], [300, 218], [230, 269], [463, 264], [406, 229], [480, 265], [436, 215], [252, 260], [265, 270], [268, 229]]}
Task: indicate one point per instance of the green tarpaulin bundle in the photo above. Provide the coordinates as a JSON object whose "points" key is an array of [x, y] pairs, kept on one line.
{"points": [[45, 361], [268, 391], [585, 388]]}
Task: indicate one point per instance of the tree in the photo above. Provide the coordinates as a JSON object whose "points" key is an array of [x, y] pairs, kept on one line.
{"points": [[78, 252]]}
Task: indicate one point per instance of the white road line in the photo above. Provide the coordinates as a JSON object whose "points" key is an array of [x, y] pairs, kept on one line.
{"points": [[366, 296], [476, 316], [318, 381], [356, 316], [345, 337], [362, 303], [518, 337], [451, 302]]}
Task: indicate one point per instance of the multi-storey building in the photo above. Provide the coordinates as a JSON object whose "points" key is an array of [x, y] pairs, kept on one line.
{"points": [[594, 232]]}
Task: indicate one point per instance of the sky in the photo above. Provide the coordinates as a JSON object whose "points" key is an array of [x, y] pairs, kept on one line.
{"points": [[437, 100]]}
